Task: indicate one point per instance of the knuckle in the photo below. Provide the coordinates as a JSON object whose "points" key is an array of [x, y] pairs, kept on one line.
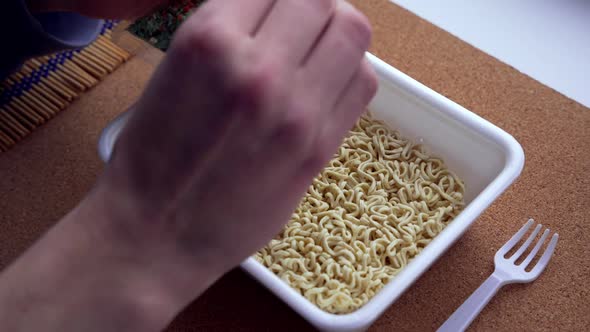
{"points": [[260, 77], [322, 151], [321, 6], [208, 37], [261, 85], [319, 155], [371, 84], [356, 27], [297, 126]]}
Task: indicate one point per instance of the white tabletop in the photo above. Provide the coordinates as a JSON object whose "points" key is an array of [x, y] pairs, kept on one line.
{"points": [[549, 40]]}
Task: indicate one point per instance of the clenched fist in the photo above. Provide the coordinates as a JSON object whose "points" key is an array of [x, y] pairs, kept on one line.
{"points": [[249, 104]]}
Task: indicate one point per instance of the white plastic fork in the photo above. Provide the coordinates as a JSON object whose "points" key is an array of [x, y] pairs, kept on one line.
{"points": [[506, 272]]}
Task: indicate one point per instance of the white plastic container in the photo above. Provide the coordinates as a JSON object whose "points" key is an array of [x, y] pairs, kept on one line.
{"points": [[483, 155]]}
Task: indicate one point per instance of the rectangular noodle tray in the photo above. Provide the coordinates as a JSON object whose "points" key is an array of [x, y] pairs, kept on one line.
{"points": [[487, 158]]}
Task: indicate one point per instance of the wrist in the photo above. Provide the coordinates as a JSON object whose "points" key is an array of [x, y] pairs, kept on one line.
{"points": [[153, 229], [154, 277], [144, 243], [140, 298], [95, 280]]}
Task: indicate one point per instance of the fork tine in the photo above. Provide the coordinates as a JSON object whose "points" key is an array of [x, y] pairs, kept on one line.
{"points": [[515, 238], [526, 244], [533, 252], [542, 263]]}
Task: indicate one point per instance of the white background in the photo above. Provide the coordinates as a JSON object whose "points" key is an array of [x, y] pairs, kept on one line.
{"points": [[549, 40]]}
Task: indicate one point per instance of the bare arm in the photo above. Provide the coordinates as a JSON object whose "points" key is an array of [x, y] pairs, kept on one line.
{"points": [[81, 277]]}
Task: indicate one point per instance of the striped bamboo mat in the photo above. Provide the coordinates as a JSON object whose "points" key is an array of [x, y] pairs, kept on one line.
{"points": [[46, 85]]}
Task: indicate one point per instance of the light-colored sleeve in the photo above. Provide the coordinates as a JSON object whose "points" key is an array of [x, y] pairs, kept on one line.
{"points": [[27, 35]]}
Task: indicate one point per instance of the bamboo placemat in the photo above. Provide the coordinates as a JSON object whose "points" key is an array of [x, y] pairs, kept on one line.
{"points": [[46, 85], [45, 176]]}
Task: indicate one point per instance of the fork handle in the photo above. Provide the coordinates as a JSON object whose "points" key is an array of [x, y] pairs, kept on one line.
{"points": [[466, 313]]}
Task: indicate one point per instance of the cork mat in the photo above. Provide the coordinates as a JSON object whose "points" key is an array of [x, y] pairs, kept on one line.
{"points": [[48, 173]]}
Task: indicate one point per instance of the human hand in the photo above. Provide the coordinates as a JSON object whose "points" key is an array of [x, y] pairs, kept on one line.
{"points": [[244, 111]]}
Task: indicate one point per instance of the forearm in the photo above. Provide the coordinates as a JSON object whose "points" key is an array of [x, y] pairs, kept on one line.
{"points": [[81, 277]]}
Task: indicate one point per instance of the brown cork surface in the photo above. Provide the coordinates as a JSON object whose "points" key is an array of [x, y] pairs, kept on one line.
{"points": [[47, 174]]}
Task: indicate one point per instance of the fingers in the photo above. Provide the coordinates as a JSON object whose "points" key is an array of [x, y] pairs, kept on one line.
{"points": [[352, 103], [221, 29], [321, 146], [321, 83], [292, 27], [278, 110], [337, 55]]}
